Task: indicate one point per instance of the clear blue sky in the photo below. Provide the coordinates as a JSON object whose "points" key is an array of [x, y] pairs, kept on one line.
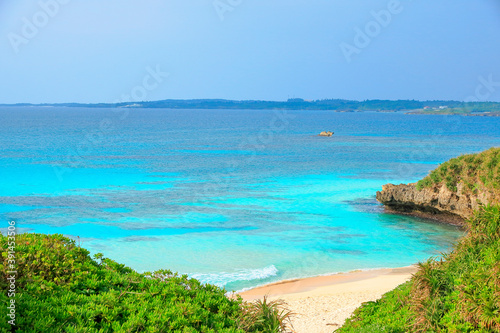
{"points": [[99, 50]]}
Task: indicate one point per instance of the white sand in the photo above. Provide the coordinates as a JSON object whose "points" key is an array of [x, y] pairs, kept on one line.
{"points": [[323, 303]]}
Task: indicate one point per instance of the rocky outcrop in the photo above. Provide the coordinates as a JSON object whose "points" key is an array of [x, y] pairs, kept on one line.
{"points": [[436, 202], [326, 133]]}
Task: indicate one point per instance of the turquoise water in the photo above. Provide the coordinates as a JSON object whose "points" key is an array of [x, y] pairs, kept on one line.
{"points": [[238, 198]]}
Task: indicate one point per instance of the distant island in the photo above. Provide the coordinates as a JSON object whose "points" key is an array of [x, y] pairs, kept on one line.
{"points": [[337, 105]]}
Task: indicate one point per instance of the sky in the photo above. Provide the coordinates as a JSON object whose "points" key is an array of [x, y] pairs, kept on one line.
{"points": [[91, 51]]}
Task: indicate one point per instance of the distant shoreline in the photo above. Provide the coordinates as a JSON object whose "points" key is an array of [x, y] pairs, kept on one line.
{"points": [[337, 105], [455, 113]]}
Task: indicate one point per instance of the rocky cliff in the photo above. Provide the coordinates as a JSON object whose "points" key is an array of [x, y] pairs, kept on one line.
{"points": [[436, 202], [452, 191]]}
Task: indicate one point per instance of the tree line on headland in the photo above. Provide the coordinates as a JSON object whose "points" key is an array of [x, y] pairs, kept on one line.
{"points": [[341, 105]]}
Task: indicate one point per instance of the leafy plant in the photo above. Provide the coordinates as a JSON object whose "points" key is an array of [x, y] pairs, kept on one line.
{"points": [[390, 314], [60, 288], [459, 292], [476, 172], [267, 316]]}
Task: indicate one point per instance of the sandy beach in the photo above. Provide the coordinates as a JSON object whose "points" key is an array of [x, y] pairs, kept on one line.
{"points": [[323, 303]]}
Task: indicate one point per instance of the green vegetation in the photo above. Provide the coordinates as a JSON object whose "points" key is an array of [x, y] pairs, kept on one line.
{"points": [[392, 313], [459, 291], [472, 108], [476, 172], [265, 316], [451, 107], [60, 288], [446, 111]]}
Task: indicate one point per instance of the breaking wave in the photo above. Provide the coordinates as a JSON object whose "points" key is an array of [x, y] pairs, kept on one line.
{"points": [[221, 279]]}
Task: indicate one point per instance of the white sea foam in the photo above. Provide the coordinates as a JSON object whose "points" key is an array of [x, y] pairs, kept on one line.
{"points": [[221, 279]]}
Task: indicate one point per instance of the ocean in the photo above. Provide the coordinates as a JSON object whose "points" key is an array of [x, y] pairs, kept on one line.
{"points": [[237, 198]]}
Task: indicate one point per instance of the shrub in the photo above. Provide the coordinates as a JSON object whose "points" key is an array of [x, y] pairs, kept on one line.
{"points": [[474, 171], [390, 314], [59, 288], [267, 316], [459, 292]]}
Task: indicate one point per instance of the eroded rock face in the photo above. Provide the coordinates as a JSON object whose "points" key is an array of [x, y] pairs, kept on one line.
{"points": [[436, 202]]}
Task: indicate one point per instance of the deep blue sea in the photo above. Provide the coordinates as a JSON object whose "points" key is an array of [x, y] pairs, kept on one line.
{"points": [[238, 198]]}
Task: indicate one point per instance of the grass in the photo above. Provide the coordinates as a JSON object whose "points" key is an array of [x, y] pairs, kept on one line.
{"points": [[475, 172], [267, 316], [60, 288], [459, 292], [447, 111], [390, 314]]}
